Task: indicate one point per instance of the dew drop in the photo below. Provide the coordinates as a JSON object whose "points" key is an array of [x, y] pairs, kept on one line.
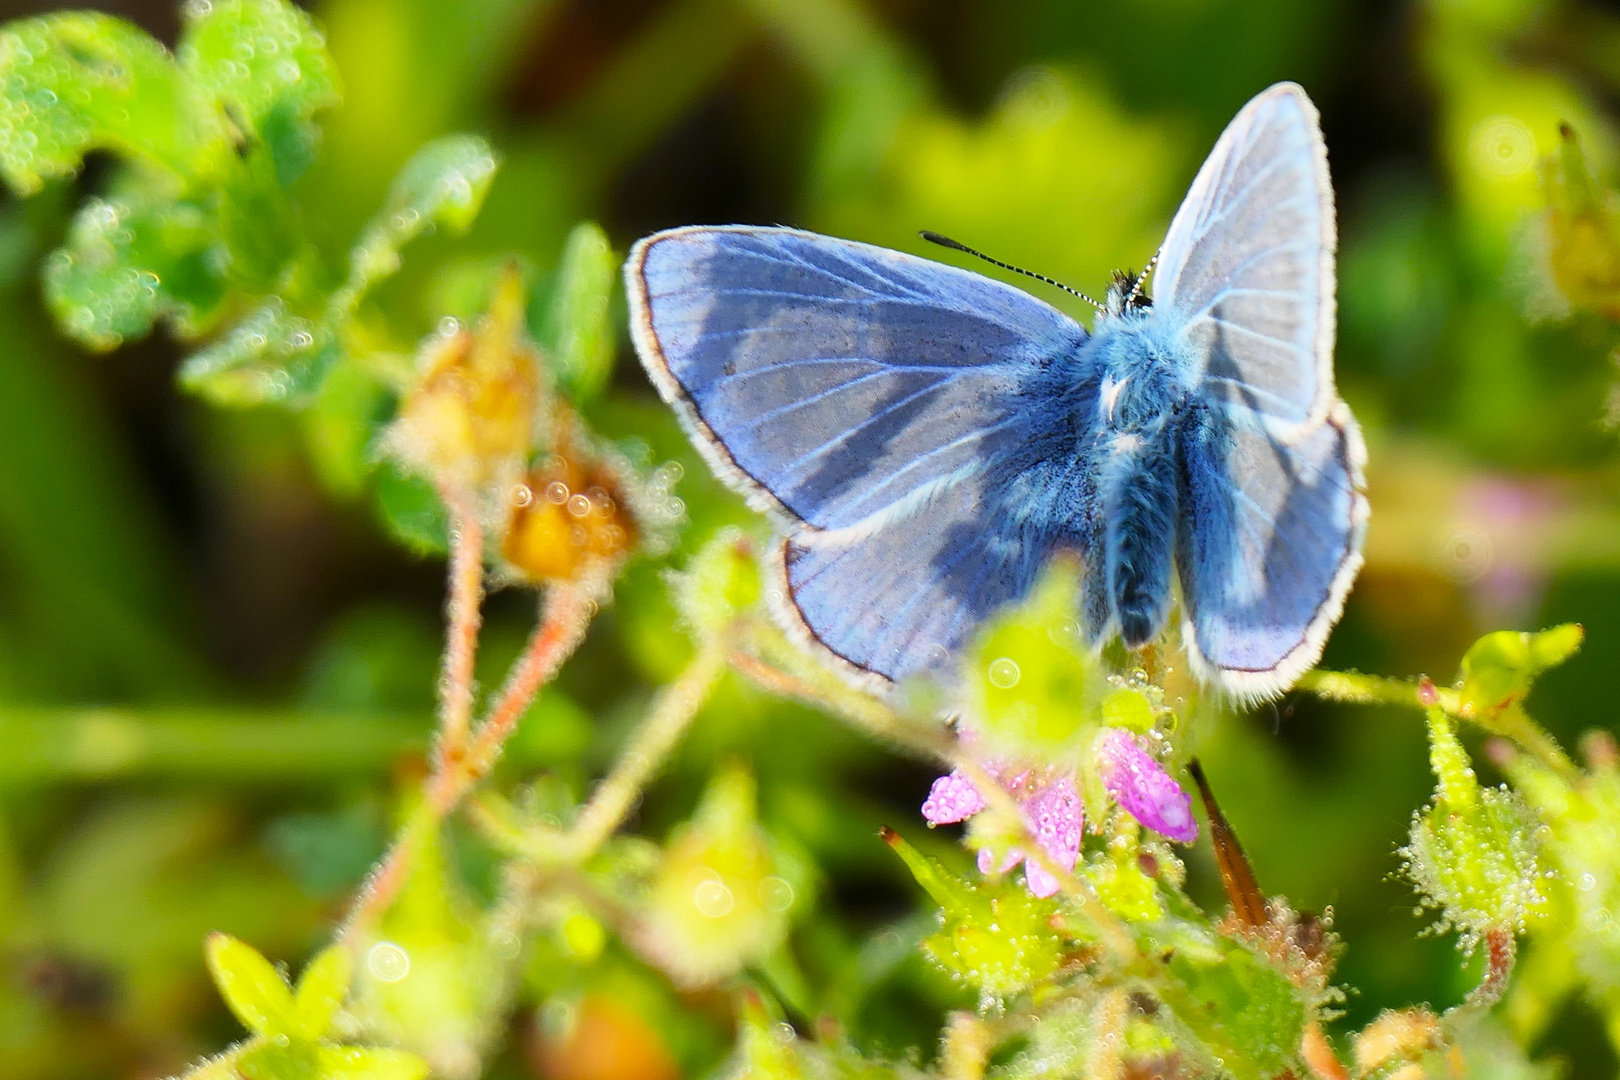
{"points": [[579, 505], [713, 899], [1004, 672], [776, 893], [522, 495], [388, 961], [557, 492]]}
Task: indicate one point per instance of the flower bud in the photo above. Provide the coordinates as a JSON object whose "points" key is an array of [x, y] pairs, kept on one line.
{"points": [[1139, 784], [720, 899], [720, 582], [568, 513], [469, 421], [1474, 854], [1030, 679], [1499, 668]]}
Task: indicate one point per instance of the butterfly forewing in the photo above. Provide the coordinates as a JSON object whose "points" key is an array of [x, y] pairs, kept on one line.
{"points": [[844, 382], [1246, 270], [872, 398]]}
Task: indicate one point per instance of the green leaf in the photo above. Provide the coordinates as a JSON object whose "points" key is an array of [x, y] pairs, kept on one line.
{"points": [[994, 935], [575, 330], [79, 81], [279, 1059], [1499, 668], [1031, 683], [413, 511], [348, 411], [266, 62], [1245, 1011], [368, 1063], [272, 355], [251, 986], [126, 264], [443, 183], [321, 990]]}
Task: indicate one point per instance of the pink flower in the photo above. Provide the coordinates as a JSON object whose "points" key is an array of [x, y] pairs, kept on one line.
{"points": [[1140, 785], [1052, 812], [953, 798]]}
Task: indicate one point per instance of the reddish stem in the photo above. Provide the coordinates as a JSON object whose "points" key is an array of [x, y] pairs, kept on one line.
{"points": [[463, 619], [561, 628]]}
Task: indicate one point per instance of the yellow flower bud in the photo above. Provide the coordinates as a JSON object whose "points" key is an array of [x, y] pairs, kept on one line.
{"points": [[469, 421]]}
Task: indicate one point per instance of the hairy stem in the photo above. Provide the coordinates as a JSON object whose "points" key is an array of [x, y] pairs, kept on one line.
{"points": [[562, 626], [1511, 723], [646, 752], [462, 619]]}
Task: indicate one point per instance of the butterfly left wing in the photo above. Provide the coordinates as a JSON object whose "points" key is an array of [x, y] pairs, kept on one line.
{"points": [[1268, 545], [868, 398]]}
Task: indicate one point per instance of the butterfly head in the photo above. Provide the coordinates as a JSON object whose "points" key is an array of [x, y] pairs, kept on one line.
{"points": [[1125, 294]]}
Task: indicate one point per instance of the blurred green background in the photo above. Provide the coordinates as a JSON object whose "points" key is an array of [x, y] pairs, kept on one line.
{"points": [[216, 666]]}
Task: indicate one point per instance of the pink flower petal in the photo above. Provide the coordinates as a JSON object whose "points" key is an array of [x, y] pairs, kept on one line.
{"points": [[1038, 881], [952, 798], [1140, 785], [1056, 816], [987, 861]]}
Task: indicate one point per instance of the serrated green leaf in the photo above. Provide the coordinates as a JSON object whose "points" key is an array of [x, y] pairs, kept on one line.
{"points": [[321, 989], [443, 183], [575, 330], [272, 355], [368, 1063], [125, 265], [1244, 1010], [251, 986], [262, 59], [994, 935], [79, 81]]}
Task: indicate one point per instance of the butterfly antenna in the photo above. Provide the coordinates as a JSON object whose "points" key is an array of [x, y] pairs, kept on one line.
{"points": [[1141, 279], [956, 245]]}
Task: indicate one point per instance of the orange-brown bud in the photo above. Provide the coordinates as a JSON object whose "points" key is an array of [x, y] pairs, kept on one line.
{"points": [[469, 421], [569, 513]]}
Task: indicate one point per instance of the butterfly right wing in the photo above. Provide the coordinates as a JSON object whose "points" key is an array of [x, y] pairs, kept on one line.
{"points": [[1246, 270], [869, 398]]}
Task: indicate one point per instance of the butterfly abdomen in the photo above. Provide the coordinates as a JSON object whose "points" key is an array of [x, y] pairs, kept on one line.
{"points": [[1139, 399]]}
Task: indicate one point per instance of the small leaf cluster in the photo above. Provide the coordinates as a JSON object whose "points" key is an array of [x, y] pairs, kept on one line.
{"points": [[292, 1026]]}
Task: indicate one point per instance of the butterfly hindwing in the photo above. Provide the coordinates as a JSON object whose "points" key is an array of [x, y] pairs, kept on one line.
{"points": [[873, 400], [841, 381], [1247, 266], [1268, 545], [905, 598]]}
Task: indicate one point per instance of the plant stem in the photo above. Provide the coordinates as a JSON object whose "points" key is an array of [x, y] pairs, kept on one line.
{"points": [[1510, 723], [463, 619], [568, 612], [1515, 724], [646, 752], [561, 628]]}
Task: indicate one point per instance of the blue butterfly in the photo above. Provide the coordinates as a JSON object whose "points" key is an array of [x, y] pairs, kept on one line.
{"points": [[927, 438]]}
